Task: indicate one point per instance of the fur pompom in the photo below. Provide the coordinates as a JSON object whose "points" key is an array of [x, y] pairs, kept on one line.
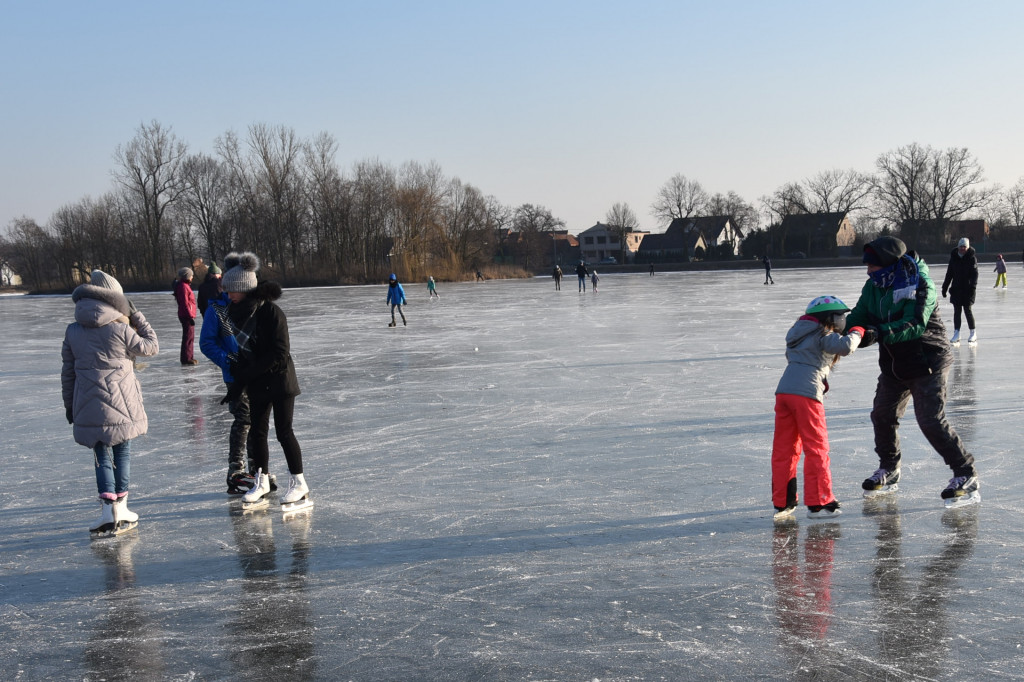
{"points": [[249, 261], [231, 260]]}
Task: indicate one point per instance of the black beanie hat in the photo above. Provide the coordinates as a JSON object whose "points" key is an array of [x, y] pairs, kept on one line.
{"points": [[884, 251]]}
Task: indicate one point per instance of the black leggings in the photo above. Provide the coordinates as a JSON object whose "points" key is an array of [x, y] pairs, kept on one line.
{"points": [[284, 410], [957, 307]]}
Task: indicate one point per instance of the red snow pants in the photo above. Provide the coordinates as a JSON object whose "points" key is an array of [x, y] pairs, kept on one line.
{"points": [[800, 426]]}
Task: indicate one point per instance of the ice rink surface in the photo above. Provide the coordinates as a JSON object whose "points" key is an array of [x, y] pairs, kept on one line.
{"points": [[522, 484]]}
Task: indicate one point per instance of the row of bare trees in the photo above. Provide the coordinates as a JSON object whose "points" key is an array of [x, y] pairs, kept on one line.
{"points": [[915, 191], [270, 192]]}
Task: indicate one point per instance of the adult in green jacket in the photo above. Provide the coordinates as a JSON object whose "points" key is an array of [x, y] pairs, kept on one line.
{"points": [[898, 309]]}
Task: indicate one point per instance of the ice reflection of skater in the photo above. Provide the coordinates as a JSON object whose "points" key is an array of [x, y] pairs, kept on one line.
{"points": [[912, 615], [803, 593], [962, 396], [272, 632], [122, 645]]}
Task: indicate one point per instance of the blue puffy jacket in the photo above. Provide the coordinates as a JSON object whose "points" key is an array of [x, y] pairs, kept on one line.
{"points": [[215, 341], [396, 294]]}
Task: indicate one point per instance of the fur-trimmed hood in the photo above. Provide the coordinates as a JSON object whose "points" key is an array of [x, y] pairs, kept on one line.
{"points": [[265, 291], [114, 299]]}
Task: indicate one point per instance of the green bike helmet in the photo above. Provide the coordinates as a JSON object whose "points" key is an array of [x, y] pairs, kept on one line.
{"points": [[827, 305]]}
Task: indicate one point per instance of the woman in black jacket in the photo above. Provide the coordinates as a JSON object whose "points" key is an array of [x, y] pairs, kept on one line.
{"points": [[961, 283], [264, 369]]}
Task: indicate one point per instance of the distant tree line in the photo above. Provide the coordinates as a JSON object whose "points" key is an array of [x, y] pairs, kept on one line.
{"points": [[286, 199], [279, 196]]}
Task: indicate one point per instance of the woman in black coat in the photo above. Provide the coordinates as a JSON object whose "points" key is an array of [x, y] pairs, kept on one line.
{"points": [[961, 283], [264, 369]]}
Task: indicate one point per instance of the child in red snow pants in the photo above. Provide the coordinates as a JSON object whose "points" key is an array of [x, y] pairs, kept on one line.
{"points": [[800, 426]]}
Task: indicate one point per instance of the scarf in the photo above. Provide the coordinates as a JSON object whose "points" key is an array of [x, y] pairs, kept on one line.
{"points": [[901, 277]]}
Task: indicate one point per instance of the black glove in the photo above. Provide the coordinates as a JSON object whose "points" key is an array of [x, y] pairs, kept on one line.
{"points": [[869, 338], [943, 293], [191, 321], [234, 393], [69, 415]]}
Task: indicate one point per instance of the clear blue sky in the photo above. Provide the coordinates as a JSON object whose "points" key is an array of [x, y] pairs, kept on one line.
{"points": [[573, 105]]}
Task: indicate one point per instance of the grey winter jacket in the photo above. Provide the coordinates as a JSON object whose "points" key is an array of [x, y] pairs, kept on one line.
{"points": [[810, 351], [97, 378]]}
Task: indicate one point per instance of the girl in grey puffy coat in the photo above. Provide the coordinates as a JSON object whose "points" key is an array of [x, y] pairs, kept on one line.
{"points": [[813, 346], [102, 397]]}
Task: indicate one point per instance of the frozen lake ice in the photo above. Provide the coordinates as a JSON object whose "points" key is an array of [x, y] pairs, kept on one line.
{"points": [[521, 484]]}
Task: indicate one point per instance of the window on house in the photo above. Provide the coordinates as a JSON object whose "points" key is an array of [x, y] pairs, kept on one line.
{"points": [[588, 240], [602, 240], [614, 239]]}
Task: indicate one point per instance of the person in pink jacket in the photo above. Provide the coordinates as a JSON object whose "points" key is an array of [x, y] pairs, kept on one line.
{"points": [[102, 396], [187, 309]]}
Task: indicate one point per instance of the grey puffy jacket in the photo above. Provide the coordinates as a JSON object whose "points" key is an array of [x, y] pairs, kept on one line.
{"points": [[809, 352], [97, 378]]}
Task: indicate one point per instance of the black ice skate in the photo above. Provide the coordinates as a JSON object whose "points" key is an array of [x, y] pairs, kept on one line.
{"points": [[880, 482], [824, 511], [961, 492]]}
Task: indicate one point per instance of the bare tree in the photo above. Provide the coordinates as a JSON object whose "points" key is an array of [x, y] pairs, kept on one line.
{"points": [[205, 202], [744, 216], [1013, 203], [149, 172], [621, 220], [679, 198], [28, 248], [530, 222], [838, 191]]}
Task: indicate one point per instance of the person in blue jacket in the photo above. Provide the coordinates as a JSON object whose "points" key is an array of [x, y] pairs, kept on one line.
{"points": [[396, 298], [217, 342]]}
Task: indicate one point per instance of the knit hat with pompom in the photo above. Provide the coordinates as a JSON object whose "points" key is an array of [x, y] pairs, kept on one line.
{"points": [[240, 272]]}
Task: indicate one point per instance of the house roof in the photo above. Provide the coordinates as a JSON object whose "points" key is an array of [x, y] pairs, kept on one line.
{"points": [[675, 238], [804, 222], [711, 225]]}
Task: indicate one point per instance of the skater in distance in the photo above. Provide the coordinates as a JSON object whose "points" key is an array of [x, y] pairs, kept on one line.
{"points": [[898, 309], [265, 371], [186, 299], [396, 298], [961, 283], [814, 345], [102, 396]]}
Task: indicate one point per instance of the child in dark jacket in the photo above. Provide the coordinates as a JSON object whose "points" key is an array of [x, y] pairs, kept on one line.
{"points": [[813, 346]]}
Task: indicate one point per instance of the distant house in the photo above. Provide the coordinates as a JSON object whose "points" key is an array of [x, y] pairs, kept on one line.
{"points": [[8, 278], [566, 248], [601, 241], [817, 235], [975, 230], [716, 230], [675, 245]]}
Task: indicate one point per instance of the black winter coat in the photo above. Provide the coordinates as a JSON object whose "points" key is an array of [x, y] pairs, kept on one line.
{"points": [[264, 366], [961, 280]]}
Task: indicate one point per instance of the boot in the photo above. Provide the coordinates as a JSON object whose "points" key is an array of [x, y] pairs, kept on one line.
{"points": [[123, 514], [105, 523], [956, 336]]}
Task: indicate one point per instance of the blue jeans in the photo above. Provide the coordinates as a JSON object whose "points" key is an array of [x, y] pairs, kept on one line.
{"points": [[113, 468]]}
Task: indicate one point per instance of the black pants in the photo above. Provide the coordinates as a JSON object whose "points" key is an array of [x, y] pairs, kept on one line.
{"points": [[239, 409], [966, 309], [929, 394], [284, 410]]}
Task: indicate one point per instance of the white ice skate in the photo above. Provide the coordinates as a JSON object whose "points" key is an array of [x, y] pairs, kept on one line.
{"points": [[126, 518], [785, 513], [973, 338], [297, 498], [104, 526], [256, 498], [955, 341]]}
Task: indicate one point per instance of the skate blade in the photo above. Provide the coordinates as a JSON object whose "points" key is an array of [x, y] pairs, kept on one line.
{"points": [[124, 527], [785, 515], [964, 500], [824, 514], [884, 490], [297, 506], [104, 531], [261, 503]]}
